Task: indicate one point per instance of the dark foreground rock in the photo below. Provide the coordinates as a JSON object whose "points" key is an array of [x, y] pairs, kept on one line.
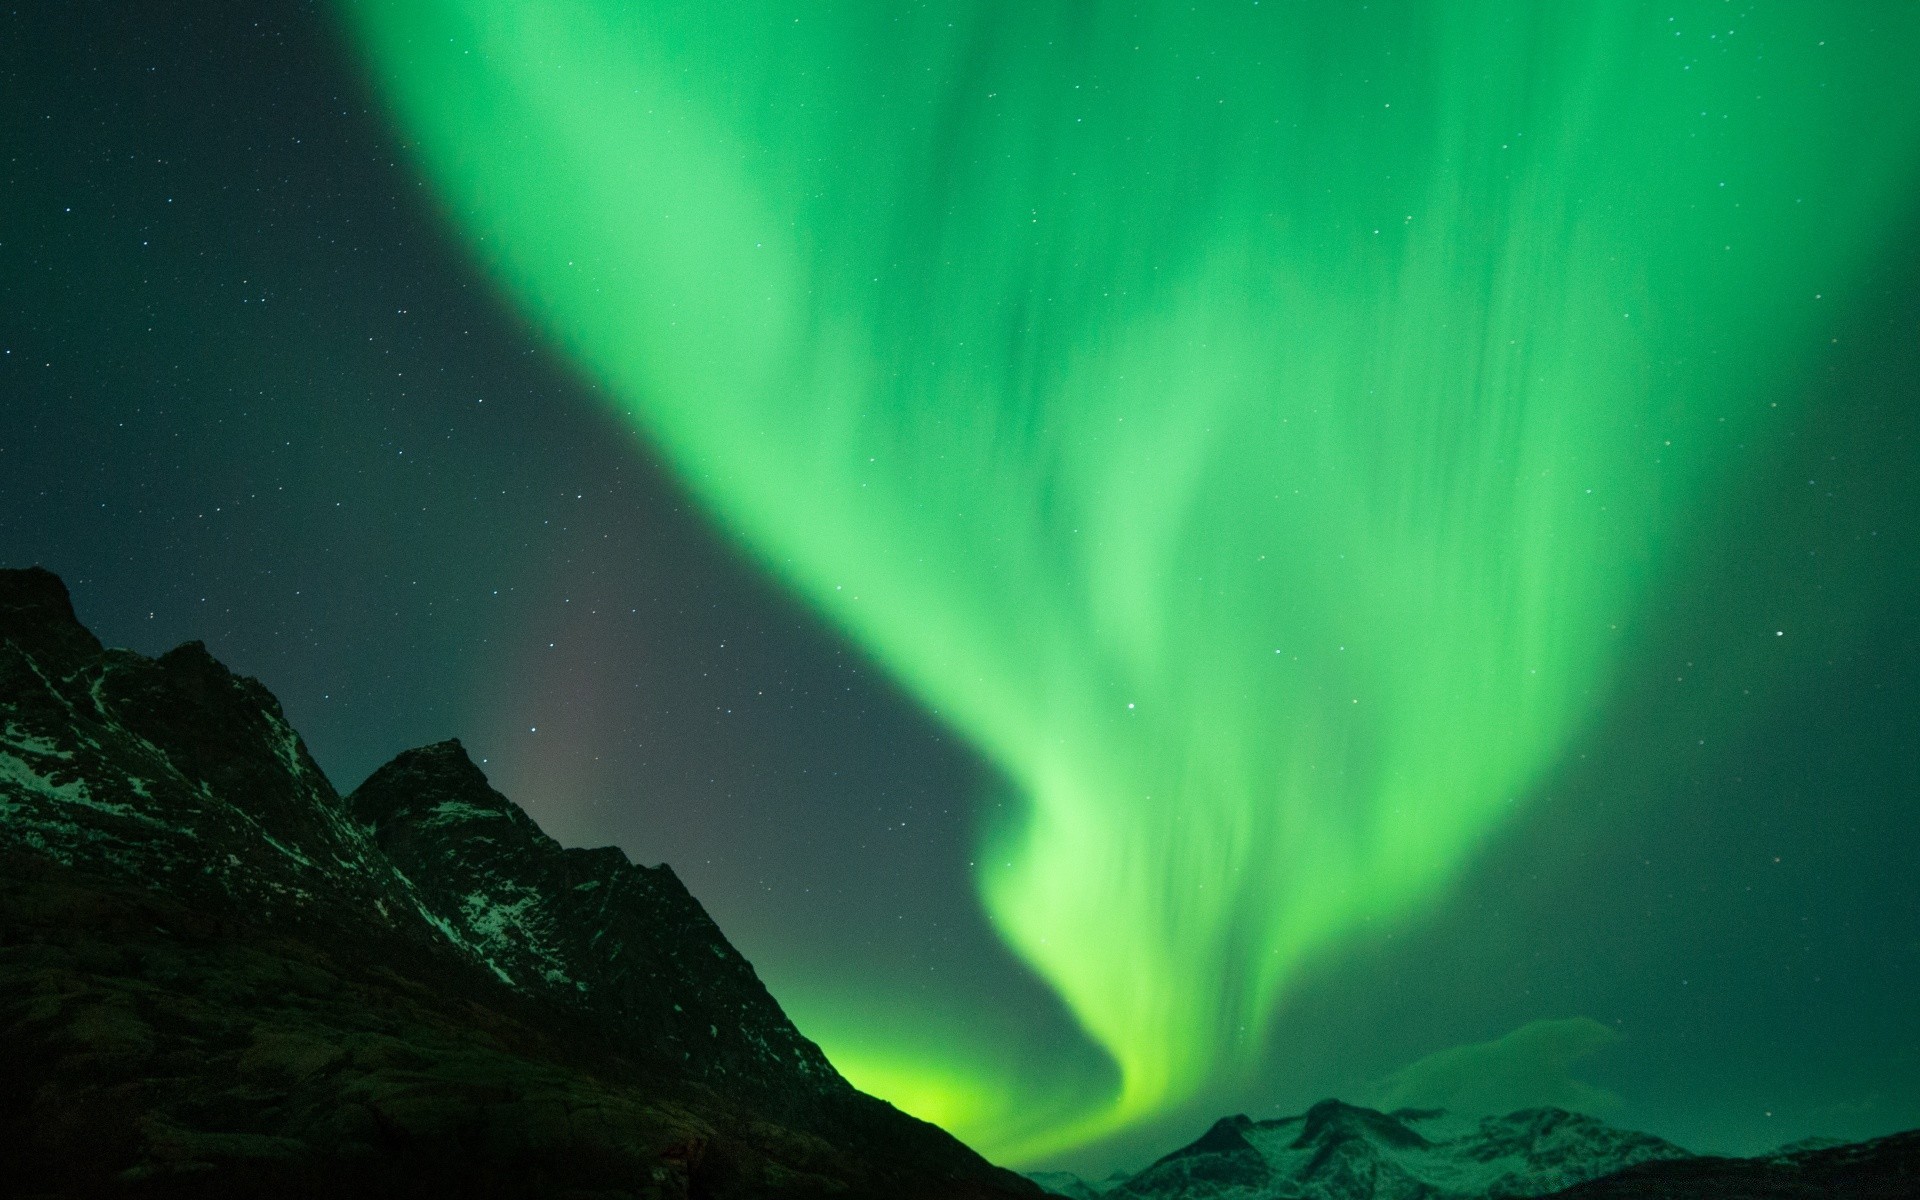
{"points": [[219, 977]]}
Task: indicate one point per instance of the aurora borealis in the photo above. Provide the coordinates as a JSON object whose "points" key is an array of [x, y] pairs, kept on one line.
{"points": [[1283, 444], [1247, 427]]}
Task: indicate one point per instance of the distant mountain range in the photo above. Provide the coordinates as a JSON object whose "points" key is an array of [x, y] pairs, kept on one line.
{"points": [[220, 977], [1338, 1151]]}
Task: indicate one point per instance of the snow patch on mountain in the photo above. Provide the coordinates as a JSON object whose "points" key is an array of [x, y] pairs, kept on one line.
{"points": [[1337, 1151]]}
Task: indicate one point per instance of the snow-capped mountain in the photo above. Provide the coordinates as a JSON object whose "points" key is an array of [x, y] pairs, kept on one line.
{"points": [[1338, 1151]]}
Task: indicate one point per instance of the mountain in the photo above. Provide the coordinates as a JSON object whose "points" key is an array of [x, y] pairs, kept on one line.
{"points": [[1885, 1168], [1338, 1151], [1066, 1183], [219, 976], [586, 929]]}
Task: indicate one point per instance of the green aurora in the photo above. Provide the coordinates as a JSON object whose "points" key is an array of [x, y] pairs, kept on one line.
{"points": [[1251, 426]]}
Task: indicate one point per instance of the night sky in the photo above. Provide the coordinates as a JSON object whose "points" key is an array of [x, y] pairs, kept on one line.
{"points": [[1141, 565]]}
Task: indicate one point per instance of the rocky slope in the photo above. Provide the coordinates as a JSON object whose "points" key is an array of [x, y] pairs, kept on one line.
{"points": [[1337, 1151], [219, 976], [1885, 1168], [623, 944]]}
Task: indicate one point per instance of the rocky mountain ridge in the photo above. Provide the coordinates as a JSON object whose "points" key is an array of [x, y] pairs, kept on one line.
{"points": [[586, 928], [218, 973], [1337, 1151], [219, 976]]}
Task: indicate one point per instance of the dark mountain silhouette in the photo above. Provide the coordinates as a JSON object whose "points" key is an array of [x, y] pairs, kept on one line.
{"points": [[220, 977]]}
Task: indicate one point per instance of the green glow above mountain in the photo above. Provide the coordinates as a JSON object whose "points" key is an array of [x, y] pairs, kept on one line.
{"points": [[1256, 428]]}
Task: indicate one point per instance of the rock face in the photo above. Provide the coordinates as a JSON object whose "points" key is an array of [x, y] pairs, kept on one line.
{"points": [[218, 976], [1337, 1151], [176, 773], [587, 929]]}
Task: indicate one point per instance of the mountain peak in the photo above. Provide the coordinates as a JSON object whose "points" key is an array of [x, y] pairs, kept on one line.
{"points": [[1229, 1127], [437, 783], [37, 613], [1221, 1160], [425, 985], [31, 589], [449, 752], [587, 928], [1225, 1136], [1335, 1118], [1340, 1151]]}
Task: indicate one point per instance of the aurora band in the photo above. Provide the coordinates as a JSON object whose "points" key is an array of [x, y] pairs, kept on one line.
{"points": [[1251, 426]]}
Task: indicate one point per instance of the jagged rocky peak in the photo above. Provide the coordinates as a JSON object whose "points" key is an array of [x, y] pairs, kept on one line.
{"points": [[1548, 1135], [436, 801], [1339, 1151], [36, 613], [433, 784], [1333, 1119], [278, 984], [1220, 1162], [178, 773], [173, 772], [586, 927], [1223, 1136], [219, 729]]}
